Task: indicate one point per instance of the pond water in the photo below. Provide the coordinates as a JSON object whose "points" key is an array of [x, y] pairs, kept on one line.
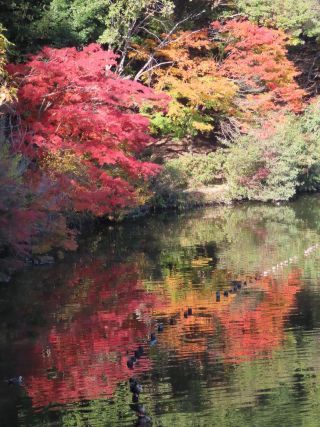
{"points": [[251, 358]]}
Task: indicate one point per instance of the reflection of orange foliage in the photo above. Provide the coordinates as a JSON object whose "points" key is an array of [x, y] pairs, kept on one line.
{"points": [[252, 322], [84, 357], [190, 335]]}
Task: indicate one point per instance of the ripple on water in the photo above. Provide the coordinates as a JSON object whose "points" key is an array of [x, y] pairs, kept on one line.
{"points": [[246, 359]]}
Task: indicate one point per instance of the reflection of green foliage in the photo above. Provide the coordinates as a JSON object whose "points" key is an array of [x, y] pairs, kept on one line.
{"points": [[98, 412], [250, 237], [282, 390]]}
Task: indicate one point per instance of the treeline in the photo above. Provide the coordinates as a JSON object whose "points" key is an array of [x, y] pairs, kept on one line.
{"points": [[90, 89]]}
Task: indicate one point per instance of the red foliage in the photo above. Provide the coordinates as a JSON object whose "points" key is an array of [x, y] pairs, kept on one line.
{"points": [[256, 58], [252, 332], [101, 313], [71, 104], [256, 178], [85, 351]]}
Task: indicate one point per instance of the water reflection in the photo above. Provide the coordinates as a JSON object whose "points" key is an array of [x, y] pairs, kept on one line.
{"points": [[249, 358], [84, 353]]}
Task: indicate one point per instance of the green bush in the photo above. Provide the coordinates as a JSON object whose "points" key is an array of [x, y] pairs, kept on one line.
{"points": [[199, 168], [186, 172], [272, 162], [310, 127], [181, 126], [72, 22], [168, 188], [273, 165]]}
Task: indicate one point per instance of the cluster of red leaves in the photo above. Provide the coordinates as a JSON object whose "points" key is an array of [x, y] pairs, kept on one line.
{"points": [[87, 347], [71, 104], [252, 181], [256, 59]]}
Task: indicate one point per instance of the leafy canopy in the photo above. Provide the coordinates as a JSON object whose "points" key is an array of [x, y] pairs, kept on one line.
{"points": [[72, 22], [255, 58], [297, 18], [185, 69], [83, 126]]}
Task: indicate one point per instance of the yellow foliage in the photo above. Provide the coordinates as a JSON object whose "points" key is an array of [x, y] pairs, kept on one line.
{"points": [[64, 162], [7, 91], [202, 127], [192, 79]]}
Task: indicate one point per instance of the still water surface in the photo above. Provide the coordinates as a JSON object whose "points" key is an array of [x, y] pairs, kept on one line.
{"points": [[250, 359]]}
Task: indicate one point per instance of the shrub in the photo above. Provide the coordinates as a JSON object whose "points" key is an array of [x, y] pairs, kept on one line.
{"points": [[168, 188], [275, 161], [310, 127], [199, 168]]}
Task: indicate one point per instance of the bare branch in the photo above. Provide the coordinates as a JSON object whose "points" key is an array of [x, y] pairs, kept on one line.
{"points": [[165, 42]]}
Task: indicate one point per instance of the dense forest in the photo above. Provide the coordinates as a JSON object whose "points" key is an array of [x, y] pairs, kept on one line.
{"points": [[113, 107]]}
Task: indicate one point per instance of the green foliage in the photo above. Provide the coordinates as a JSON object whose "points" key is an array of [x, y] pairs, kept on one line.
{"points": [[73, 22], [18, 17], [266, 169], [123, 18], [199, 168], [7, 90], [297, 18], [186, 172], [60, 23], [168, 188], [277, 160], [310, 127], [181, 124]]}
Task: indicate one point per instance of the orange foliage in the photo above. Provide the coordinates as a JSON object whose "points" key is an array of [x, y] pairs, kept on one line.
{"points": [[250, 332], [240, 71], [256, 59], [191, 78]]}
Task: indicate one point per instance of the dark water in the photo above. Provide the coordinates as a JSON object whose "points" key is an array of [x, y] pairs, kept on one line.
{"points": [[250, 359]]}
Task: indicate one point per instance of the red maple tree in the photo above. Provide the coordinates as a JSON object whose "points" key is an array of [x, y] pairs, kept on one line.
{"points": [[256, 59], [83, 126]]}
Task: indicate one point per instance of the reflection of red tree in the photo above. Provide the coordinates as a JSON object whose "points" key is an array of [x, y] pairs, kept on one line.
{"points": [[250, 332], [85, 353]]}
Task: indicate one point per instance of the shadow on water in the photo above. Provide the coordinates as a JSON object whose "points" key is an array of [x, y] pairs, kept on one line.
{"points": [[245, 358]]}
